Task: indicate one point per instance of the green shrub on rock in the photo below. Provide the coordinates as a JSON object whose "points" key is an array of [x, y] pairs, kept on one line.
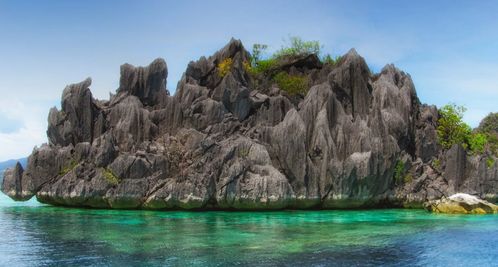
{"points": [[328, 59], [490, 162], [477, 142], [224, 67], [436, 164], [453, 130], [399, 171], [69, 167], [110, 176], [298, 47], [292, 84]]}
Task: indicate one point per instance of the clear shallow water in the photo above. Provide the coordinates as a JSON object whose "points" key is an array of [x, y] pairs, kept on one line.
{"points": [[37, 235]]}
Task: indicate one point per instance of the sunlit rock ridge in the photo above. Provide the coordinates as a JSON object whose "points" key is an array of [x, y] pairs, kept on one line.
{"points": [[236, 141]]}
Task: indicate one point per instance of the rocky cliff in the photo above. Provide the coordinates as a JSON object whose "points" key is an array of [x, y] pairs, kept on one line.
{"points": [[236, 141]]}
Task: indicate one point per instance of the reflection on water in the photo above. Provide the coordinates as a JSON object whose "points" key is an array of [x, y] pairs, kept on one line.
{"points": [[33, 234]]}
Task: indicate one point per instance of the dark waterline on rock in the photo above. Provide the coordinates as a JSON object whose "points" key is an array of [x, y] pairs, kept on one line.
{"points": [[34, 234]]}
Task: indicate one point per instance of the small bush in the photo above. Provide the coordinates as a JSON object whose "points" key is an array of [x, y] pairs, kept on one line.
{"points": [[262, 66], [436, 163], [399, 171], [408, 178], [110, 176], [477, 142], [298, 47], [266, 65], [248, 67], [225, 66], [292, 84]]}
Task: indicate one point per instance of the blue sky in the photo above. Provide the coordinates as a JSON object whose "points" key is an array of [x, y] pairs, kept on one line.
{"points": [[450, 48]]}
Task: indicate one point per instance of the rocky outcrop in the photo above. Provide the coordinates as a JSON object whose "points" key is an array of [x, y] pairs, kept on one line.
{"points": [[461, 204], [236, 140]]}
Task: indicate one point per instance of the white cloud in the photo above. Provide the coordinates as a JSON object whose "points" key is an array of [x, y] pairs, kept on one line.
{"points": [[20, 143]]}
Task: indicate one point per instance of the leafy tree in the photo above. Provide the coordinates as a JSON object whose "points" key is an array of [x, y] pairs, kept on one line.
{"points": [[257, 51], [451, 129]]}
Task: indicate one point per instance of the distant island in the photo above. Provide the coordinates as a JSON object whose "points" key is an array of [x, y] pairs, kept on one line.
{"points": [[293, 130]]}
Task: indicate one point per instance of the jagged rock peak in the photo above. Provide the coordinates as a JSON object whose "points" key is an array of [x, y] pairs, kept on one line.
{"points": [[204, 71], [146, 83], [83, 85], [351, 79], [75, 122]]}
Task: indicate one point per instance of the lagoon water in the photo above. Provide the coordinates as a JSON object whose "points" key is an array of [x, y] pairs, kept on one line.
{"points": [[38, 235]]}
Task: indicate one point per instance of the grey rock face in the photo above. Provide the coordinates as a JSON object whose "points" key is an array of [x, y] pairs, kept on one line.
{"points": [[75, 122], [11, 184], [146, 83], [231, 142]]}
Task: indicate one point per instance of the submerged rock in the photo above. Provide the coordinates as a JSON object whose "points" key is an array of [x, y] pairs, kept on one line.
{"points": [[235, 140], [461, 204]]}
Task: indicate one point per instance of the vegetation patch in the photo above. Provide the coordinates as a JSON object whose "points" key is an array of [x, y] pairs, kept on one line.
{"points": [[257, 53], [66, 169], [297, 47], [225, 66], [452, 130], [262, 63], [489, 128], [110, 176], [490, 162], [408, 178], [328, 59], [436, 164], [399, 171], [264, 66], [292, 84]]}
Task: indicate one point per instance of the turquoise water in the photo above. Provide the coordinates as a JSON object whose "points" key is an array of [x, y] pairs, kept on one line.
{"points": [[37, 235]]}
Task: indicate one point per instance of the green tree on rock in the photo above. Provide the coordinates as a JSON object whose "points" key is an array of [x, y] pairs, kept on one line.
{"points": [[453, 130]]}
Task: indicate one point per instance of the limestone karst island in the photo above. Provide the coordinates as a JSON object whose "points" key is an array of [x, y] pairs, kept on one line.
{"points": [[239, 133], [248, 133]]}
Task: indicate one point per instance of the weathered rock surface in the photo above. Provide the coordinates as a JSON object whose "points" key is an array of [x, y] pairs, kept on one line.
{"points": [[235, 142], [461, 204]]}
